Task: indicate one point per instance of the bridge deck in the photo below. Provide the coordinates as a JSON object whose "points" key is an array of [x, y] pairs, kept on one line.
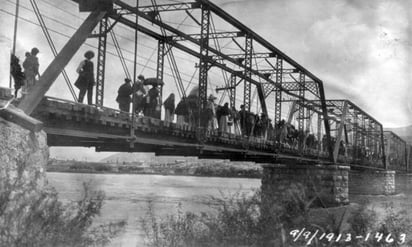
{"points": [[72, 124]]}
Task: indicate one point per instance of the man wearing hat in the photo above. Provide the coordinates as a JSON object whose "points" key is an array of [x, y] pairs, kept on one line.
{"points": [[85, 81], [123, 95], [31, 68]]}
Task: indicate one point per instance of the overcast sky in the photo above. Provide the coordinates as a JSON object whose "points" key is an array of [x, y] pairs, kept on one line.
{"points": [[361, 49]]}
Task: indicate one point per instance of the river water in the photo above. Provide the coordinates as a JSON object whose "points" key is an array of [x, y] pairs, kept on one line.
{"points": [[127, 195]]}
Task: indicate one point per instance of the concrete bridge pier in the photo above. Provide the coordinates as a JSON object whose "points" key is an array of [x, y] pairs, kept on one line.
{"points": [[372, 182], [328, 183]]}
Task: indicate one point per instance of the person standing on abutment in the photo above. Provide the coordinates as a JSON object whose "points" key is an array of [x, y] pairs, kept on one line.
{"points": [[85, 81], [16, 73], [31, 69]]}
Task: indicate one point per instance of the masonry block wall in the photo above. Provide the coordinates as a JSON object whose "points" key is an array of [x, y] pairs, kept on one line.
{"points": [[327, 182], [370, 182]]}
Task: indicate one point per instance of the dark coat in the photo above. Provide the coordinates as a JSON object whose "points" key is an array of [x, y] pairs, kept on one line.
{"points": [[86, 76], [153, 94], [16, 72], [123, 94], [182, 108], [170, 103], [224, 111]]}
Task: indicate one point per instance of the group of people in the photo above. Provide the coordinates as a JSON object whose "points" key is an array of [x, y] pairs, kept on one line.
{"points": [[223, 118], [25, 77], [145, 102]]}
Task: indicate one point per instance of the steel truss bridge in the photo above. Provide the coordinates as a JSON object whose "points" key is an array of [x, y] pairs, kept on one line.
{"points": [[283, 88]]}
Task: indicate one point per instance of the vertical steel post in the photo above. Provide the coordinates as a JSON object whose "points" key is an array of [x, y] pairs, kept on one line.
{"points": [[373, 136], [132, 125], [159, 71], [16, 18], [355, 135], [101, 61], [301, 109], [203, 64], [369, 137], [232, 91], [248, 73], [278, 93], [319, 134], [360, 140]]}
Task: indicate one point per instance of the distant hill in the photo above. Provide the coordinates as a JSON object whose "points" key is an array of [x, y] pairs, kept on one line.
{"points": [[404, 132], [128, 157]]}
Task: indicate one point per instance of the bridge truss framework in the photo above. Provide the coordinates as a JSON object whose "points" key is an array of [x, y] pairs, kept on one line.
{"points": [[280, 74]]}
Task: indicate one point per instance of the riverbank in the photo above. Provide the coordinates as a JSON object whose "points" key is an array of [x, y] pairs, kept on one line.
{"points": [[127, 196], [203, 168]]}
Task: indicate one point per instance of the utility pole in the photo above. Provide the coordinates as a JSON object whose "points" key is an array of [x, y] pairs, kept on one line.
{"points": [[16, 17]]}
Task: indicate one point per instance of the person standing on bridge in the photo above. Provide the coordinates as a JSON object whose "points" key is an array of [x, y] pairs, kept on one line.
{"points": [[153, 99], [211, 122], [169, 106], [182, 112], [139, 95], [85, 81], [223, 118], [31, 69], [123, 95], [235, 115]]}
